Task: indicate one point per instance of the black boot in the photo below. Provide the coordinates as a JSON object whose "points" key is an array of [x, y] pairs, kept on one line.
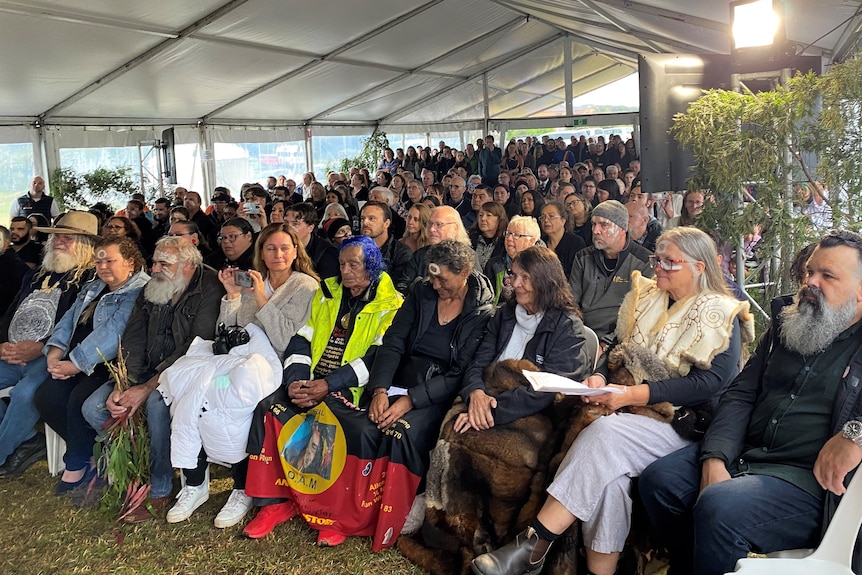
{"points": [[514, 558]]}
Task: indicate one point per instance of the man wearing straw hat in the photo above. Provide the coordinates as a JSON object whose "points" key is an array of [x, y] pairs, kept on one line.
{"points": [[45, 295]]}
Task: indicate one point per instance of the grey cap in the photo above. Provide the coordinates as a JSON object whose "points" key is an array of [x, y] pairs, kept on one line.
{"points": [[612, 211]]}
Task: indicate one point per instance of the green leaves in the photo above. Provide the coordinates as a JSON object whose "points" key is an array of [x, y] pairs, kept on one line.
{"points": [[123, 452], [809, 129]]}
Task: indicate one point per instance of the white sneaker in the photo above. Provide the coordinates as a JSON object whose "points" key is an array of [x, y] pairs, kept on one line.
{"points": [[188, 500], [238, 505], [415, 517]]}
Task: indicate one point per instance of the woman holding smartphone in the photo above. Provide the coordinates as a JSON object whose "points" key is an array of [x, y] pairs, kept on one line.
{"points": [[278, 300]]}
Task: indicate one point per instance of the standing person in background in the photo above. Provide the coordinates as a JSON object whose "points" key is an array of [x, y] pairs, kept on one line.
{"points": [[489, 162], [35, 201]]}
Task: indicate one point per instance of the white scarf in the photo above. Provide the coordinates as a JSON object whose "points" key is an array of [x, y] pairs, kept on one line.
{"points": [[525, 328]]}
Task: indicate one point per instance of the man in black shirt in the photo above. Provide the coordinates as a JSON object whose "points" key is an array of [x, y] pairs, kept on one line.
{"points": [[29, 251], [786, 435]]}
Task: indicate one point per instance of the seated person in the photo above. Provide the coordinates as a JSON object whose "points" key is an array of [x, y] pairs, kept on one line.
{"points": [[488, 465], [415, 376], [444, 224], [326, 370], [686, 319], [565, 244], [181, 299], [279, 301], [601, 272], [304, 219], [236, 243], [521, 233], [786, 435], [45, 295], [14, 270], [83, 340]]}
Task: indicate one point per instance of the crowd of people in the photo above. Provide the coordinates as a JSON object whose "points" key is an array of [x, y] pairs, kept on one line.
{"points": [[353, 350]]}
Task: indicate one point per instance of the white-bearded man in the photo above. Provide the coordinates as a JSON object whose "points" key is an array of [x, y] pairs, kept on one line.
{"points": [[46, 294], [180, 302]]}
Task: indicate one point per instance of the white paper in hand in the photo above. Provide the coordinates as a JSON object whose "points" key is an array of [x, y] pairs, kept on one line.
{"points": [[553, 383]]}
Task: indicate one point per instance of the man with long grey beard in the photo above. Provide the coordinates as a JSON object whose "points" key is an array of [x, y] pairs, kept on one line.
{"points": [[46, 294], [180, 302], [786, 436]]}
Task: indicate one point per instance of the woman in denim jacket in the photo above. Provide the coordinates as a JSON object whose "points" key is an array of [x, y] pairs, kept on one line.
{"points": [[87, 336]]}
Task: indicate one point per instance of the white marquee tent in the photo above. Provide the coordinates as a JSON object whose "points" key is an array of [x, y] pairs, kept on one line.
{"points": [[109, 72]]}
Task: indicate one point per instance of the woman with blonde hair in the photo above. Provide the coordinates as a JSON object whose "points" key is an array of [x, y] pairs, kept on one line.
{"points": [[416, 235]]}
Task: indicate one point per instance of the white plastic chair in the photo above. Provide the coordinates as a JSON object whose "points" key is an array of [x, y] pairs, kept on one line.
{"points": [[591, 342], [54, 444], [834, 556]]}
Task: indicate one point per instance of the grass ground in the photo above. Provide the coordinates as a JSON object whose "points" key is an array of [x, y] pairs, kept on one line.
{"points": [[43, 534]]}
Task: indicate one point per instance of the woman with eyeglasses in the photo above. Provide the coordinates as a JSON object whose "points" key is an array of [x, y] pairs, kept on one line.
{"points": [[578, 211], [686, 319], [122, 227], [521, 233], [236, 241], [565, 244]]}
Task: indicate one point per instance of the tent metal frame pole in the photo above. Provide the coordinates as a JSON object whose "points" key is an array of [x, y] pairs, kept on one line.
{"points": [[567, 72]]}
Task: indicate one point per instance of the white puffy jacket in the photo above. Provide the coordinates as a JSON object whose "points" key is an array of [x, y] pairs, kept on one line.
{"points": [[212, 398]]}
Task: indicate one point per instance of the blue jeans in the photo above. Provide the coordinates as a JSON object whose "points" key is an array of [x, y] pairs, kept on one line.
{"points": [[19, 418], [708, 532], [159, 426]]}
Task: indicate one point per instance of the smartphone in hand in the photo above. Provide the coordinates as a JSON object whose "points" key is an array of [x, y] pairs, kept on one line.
{"points": [[242, 278]]}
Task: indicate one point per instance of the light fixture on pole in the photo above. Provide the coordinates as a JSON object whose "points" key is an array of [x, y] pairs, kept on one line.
{"points": [[758, 36]]}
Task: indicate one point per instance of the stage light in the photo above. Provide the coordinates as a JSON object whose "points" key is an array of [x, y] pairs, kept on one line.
{"points": [[755, 23]]}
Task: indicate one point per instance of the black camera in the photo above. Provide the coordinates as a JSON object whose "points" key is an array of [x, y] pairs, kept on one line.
{"points": [[228, 338]]}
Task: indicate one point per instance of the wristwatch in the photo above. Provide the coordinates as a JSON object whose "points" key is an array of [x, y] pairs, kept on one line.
{"points": [[852, 430]]}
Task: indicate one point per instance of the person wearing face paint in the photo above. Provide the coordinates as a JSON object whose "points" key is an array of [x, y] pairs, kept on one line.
{"points": [[785, 440], [684, 318], [601, 273], [178, 304], [85, 338]]}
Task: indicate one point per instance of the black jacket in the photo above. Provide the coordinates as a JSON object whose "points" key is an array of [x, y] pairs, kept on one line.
{"points": [[195, 314], [397, 257], [218, 261], [14, 271], [324, 256], [412, 322], [556, 347], [570, 244]]}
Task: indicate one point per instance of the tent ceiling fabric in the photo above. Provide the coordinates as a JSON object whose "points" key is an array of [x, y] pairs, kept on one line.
{"points": [[360, 62]]}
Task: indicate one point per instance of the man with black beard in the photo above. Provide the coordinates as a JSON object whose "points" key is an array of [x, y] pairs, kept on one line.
{"points": [[46, 294], [786, 434], [179, 303], [29, 251]]}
